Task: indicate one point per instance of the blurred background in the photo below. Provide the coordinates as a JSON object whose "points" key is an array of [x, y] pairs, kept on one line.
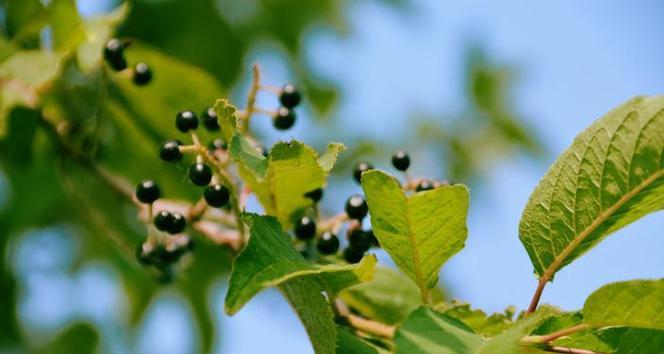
{"points": [[481, 92]]}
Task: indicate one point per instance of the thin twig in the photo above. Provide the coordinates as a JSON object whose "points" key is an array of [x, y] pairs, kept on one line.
{"points": [[364, 325], [557, 349], [555, 335], [537, 295], [251, 97]]}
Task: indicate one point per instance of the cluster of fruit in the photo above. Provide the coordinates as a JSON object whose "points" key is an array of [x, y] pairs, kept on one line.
{"points": [[114, 56]]}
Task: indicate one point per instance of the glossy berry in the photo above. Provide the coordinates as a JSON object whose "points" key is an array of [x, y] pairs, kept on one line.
{"points": [[353, 255], [327, 244], [217, 144], [315, 195], [359, 239], [424, 186], [177, 225], [163, 221], [361, 168], [216, 195], [170, 151], [290, 96], [114, 54], [186, 121], [356, 207], [147, 191], [209, 119], [142, 74], [118, 65], [305, 228], [372, 239], [284, 118], [200, 174], [400, 160]]}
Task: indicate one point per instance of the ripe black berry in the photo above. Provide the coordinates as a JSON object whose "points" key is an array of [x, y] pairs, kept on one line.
{"points": [[400, 160], [359, 239], [142, 74], [424, 186], [177, 225], [290, 96], [284, 118], [216, 195], [147, 191], [209, 119], [163, 221], [353, 255], [361, 168], [217, 144], [186, 121], [328, 243], [141, 256], [372, 239], [114, 54], [305, 228], [200, 174], [170, 151], [119, 64], [315, 195], [356, 207]]}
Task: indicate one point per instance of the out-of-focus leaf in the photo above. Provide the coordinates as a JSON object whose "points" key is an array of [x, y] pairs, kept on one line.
{"points": [[97, 32], [479, 321], [634, 340], [349, 343], [24, 19], [329, 158], [66, 25], [227, 118], [80, 338]]}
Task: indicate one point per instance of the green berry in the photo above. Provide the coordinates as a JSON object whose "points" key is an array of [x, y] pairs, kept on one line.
{"points": [[424, 186], [209, 120], [315, 195], [328, 243], [142, 74], [290, 96], [305, 228], [147, 191], [170, 151], [284, 118], [178, 223], [400, 160], [356, 207], [163, 220], [186, 121], [359, 169], [216, 195], [200, 174]]}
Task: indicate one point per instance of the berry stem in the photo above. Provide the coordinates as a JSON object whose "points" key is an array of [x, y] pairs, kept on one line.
{"points": [[272, 89], [558, 349], [251, 97], [333, 223], [189, 149], [364, 325], [555, 335]]}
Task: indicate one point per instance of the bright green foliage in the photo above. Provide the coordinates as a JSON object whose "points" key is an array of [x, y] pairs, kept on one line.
{"points": [[612, 175], [633, 340], [638, 303], [227, 118], [419, 232], [68, 29], [281, 181], [389, 298], [351, 344], [479, 321], [589, 340], [269, 259], [329, 158], [97, 32]]}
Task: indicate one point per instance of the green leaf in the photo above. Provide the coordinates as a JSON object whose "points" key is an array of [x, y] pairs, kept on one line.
{"points": [[329, 158], [79, 338], [420, 232], [269, 259], [638, 303], [227, 118], [349, 343], [389, 298], [634, 340], [611, 176], [588, 340], [98, 31], [479, 321], [66, 25], [247, 156]]}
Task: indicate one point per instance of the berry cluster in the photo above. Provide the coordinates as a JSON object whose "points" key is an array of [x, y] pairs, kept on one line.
{"points": [[284, 117], [114, 55]]}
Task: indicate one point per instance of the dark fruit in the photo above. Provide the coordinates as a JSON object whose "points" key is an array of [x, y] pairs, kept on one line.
{"points": [[170, 151], [284, 118], [305, 228], [361, 168], [200, 174], [359, 239], [356, 207], [315, 195], [119, 64], [216, 195], [424, 186], [290, 96], [114, 54], [163, 220], [147, 191], [217, 144], [352, 255], [328, 243], [142, 74], [372, 239], [209, 119], [178, 223], [186, 121], [141, 256], [400, 160]]}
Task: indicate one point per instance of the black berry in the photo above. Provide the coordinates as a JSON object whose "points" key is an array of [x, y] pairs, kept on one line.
{"points": [[424, 186], [200, 174], [147, 191], [216, 195], [361, 168], [290, 96], [372, 239], [170, 151], [328, 243], [118, 65], [353, 255], [356, 207], [163, 221], [217, 144], [209, 119], [186, 121], [141, 256], [400, 160], [142, 74], [305, 228], [284, 118], [114, 54], [177, 225], [359, 239], [315, 195]]}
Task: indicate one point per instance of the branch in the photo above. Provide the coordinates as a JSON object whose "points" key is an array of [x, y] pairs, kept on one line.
{"points": [[568, 350], [555, 335], [537, 295], [364, 325]]}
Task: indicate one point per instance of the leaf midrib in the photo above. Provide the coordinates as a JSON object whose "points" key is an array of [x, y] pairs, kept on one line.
{"points": [[553, 267], [416, 255]]}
